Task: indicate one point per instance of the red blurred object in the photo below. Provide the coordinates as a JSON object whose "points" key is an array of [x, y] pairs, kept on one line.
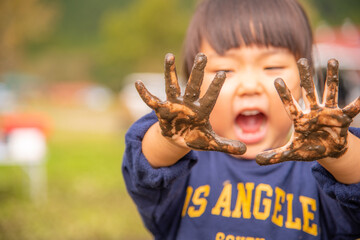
{"points": [[10, 122]]}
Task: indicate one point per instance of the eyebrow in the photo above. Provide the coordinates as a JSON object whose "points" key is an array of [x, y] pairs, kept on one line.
{"points": [[275, 51], [264, 53]]}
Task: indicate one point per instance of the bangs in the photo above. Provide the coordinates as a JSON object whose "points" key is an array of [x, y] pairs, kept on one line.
{"points": [[227, 24]]}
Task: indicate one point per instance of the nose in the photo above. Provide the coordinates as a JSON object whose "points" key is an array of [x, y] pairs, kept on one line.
{"points": [[249, 83]]}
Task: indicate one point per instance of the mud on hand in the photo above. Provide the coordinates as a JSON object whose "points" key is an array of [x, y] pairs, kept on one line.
{"points": [[320, 132], [187, 115]]}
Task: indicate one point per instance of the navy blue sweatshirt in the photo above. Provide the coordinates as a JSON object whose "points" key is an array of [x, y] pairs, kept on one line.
{"points": [[212, 195]]}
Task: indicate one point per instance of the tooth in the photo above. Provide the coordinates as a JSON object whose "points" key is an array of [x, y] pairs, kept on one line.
{"points": [[249, 113]]}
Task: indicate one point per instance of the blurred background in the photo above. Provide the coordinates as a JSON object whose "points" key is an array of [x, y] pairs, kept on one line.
{"points": [[67, 70]]}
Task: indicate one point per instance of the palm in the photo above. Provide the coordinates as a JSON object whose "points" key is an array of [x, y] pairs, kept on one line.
{"points": [[322, 131], [188, 115]]}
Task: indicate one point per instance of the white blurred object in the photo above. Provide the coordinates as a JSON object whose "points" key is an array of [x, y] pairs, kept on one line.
{"points": [[154, 82], [97, 97], [341, 43], [348, 56], [26, 145], [3, 150]]}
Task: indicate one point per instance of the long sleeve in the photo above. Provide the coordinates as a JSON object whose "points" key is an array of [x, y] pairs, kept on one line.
{"points": [[157, 193], [340, 203]]}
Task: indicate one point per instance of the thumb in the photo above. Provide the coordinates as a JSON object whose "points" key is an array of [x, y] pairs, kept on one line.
{"points": [[210, 141]]}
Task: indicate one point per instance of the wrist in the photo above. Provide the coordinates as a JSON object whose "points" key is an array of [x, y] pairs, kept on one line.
{"points": [[345, 169], [161, 151]]}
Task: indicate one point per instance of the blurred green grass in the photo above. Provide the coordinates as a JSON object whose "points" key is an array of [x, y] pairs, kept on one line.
{"points": [[86, 195]]}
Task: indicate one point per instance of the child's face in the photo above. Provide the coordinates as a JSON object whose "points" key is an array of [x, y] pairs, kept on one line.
{"points": [[248, 108]]}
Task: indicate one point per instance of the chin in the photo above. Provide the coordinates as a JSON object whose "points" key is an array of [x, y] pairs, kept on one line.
{"points": [[250, 153]]}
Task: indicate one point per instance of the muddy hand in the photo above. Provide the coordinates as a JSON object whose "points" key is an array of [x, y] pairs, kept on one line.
{"points": [[319, 132], [188, 115]]}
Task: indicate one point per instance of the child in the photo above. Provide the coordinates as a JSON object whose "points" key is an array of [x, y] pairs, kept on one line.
{"points": [[193, 180]]}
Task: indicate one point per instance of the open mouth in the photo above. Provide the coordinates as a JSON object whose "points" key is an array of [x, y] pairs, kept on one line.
{"points": [[250, 126]]}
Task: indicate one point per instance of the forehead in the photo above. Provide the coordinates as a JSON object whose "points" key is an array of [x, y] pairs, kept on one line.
{"points": [[246, 51]]}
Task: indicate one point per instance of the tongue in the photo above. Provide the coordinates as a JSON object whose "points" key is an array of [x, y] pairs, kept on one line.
{"points": [[250, 124]]}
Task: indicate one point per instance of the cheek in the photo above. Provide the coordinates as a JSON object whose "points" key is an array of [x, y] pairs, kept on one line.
{"points": [[295, 90], [205, 84], [292, 81], [279, 123], [280, 120], [221, 117], [221, 112], [218, 110]]}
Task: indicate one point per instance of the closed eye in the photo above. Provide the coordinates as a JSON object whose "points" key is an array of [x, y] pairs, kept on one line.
{"points": [[226, 70], [274, 68], [229, 73]]}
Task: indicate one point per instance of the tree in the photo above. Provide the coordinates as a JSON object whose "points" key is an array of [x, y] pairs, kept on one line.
{"points": [[335, 12], [137, 38], [21, 21]]}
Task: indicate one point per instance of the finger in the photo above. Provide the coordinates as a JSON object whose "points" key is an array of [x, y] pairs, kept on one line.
{"points": [[207, 102], [292, 108], [230, 146], [332, 84], [304, 152], [192, 90], [208, 140], [269, 157], [172, 87], [278, 155], [307, 83], [152, 101], [352, 109]]}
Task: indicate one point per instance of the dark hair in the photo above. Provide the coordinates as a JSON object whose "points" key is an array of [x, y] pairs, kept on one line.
{"points": [[227, 24]]}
